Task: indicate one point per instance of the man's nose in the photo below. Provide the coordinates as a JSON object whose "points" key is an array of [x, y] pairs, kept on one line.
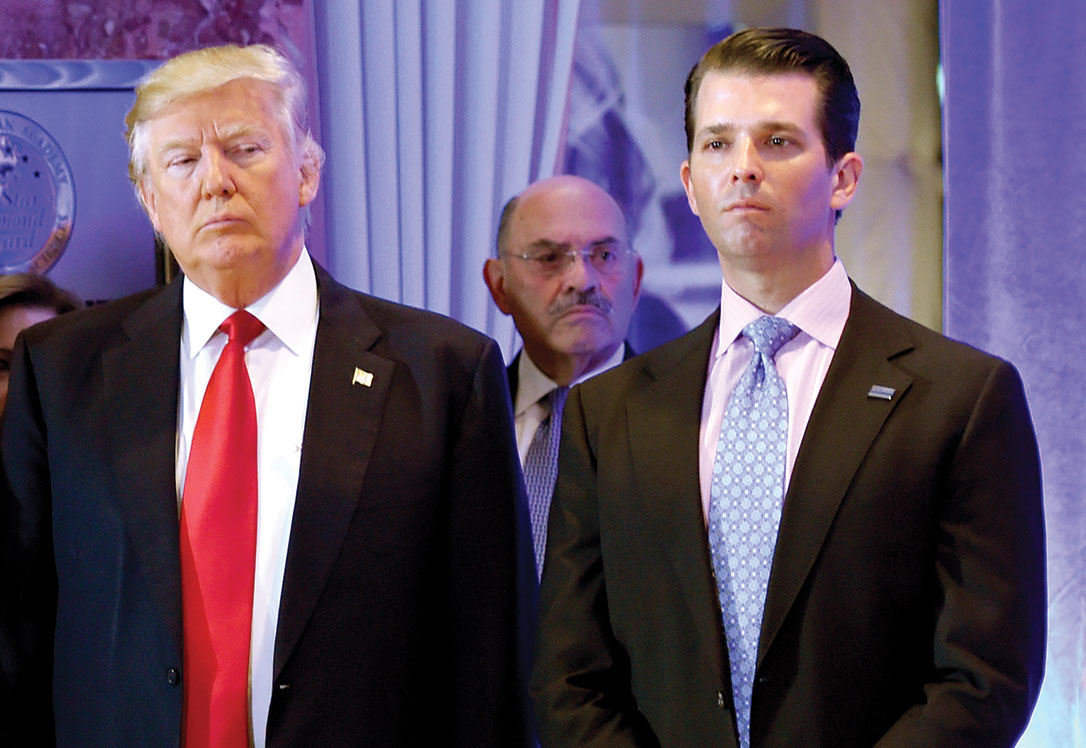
{"points": [[581, 274], [747, 166], [217, 179]]}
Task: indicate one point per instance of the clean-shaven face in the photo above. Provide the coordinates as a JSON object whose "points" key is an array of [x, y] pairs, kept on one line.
{"points": [[757, 174], [225, 189]]}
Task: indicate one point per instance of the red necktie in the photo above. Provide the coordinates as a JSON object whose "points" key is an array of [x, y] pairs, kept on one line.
{"points": [[218, 550]]}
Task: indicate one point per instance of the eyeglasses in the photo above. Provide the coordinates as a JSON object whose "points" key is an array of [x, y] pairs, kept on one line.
{"points": [[605, 258]]}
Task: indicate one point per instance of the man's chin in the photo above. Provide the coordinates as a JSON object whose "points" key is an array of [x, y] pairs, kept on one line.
{"points": [[583, 339], [229, 252]]}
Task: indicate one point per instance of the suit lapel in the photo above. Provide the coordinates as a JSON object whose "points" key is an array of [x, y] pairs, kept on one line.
{"points": [[841, 429], [341, 425], [513, 371], [663, 424], [140, 382]]}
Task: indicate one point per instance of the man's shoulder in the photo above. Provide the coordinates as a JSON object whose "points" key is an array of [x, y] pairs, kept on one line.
{"points": [[401, 321], [641, 369], [93, 325], [875, 321], [391, 318], [429, 344]]}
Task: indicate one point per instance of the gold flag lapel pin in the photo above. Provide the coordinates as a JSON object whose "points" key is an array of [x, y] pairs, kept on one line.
{"points": [[362, 377]]}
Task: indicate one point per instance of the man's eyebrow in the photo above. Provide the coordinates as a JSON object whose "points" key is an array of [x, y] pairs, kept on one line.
{"points": [[553, 245], [780, 126], [719, 128], [177, 144], [549, 244], [237, 132], [226, 135], [724, 128]]}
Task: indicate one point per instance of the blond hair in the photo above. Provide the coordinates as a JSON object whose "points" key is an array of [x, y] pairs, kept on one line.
{"points": [[205, 69]]}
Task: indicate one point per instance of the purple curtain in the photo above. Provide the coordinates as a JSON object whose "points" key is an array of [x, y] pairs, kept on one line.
{"points": [[1015, 176]]}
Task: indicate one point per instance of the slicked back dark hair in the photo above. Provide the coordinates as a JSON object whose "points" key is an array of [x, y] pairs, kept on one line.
{"points": [[782, 51]]}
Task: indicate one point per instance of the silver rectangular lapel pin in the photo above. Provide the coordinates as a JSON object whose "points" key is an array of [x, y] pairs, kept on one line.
{"points": [[881, 392]]}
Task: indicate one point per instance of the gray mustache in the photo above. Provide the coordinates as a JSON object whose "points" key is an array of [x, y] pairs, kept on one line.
{"points": [[581, 298]]}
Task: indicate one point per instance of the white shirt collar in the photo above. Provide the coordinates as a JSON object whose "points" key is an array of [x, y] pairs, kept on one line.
{"points": [[280, 309], [820, 311], [533, 384]]}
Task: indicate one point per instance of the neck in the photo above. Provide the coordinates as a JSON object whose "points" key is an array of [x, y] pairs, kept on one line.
{"points": [[771, 287], [239, 285], [566, 368]]}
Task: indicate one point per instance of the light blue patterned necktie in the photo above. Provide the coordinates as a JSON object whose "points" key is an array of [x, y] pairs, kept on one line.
{"points": [[541, 471], [745, 503]]}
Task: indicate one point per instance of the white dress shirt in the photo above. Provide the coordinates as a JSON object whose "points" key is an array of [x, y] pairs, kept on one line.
{"points": [[532, 385], [820, 313], [280, 361]]}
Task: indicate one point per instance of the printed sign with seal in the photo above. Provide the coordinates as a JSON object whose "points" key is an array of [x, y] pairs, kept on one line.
{"points": [[37, 196]]}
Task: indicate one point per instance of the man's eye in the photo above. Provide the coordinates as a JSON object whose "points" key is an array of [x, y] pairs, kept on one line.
{"points": [[603, 254], [181, 161], [548, 258], [777, 140], [714, 145]]}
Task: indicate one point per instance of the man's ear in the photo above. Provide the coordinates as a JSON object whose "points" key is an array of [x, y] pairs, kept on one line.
{"points": [[311, 177], [684, 175], [494, 275], [846, 178], [639, 273]]}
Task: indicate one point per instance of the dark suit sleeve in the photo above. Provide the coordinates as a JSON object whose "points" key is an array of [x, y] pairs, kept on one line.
{"points": [[580, 683], [491, 568], [28, 607], [988, 652]]}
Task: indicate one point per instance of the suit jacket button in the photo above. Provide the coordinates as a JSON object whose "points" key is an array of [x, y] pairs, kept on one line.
{"points": [[720, 699], [173, 676]]}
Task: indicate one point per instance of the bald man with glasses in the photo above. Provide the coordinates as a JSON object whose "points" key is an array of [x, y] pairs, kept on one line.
{"points": [[566, 273]]}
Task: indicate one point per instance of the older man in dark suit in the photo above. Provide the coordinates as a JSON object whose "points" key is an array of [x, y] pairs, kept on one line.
{"points": [[567, 274], [255, 507], [810, 521]]}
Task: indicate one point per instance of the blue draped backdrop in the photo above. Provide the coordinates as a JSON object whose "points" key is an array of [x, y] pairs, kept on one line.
{"points": [[1015, 179]]}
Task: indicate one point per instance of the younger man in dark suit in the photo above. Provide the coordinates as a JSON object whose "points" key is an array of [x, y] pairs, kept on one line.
{"points": [[809, 521], [254, 507], [566, 273]]}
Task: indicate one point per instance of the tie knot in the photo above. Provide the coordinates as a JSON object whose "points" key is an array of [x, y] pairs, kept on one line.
{"points": [[556, 398], [768, 334], [241, 327], [556, 401]]}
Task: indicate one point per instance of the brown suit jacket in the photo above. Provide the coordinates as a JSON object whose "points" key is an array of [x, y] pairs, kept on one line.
{"points": [[906, 602]]}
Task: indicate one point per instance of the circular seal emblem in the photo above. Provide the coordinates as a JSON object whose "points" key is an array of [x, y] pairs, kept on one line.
{"points": [[37, 196]]}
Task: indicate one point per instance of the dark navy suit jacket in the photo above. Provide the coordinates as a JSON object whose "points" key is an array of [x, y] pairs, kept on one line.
{"points": [[399, 616]]}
